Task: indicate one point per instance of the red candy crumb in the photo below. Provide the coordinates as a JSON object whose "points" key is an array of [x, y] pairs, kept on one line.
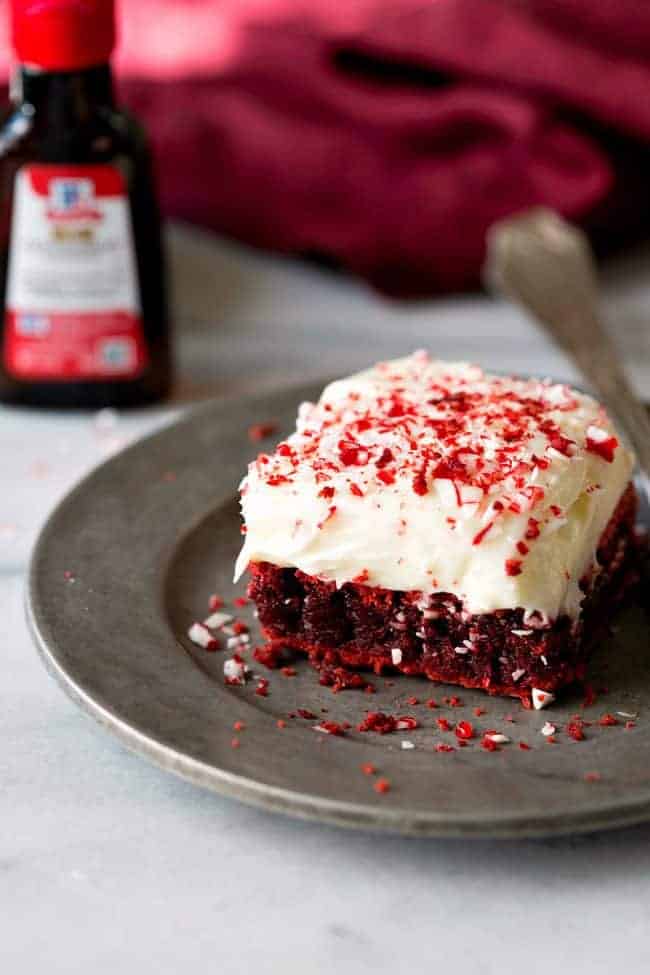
{"points": [[430, 703], [592, 776], [513, 567], [604, 448], [443, 747], [524, 747], [488, 744], [533, 529], [419, 484], [260, 431], [240, 601], [308, 715], [384, 724], [607, 721], [215, 602], [575, 729], [443, 724], [235, 743], [281, 723], [386, 476], [464, 730], [478, 538], [377, 721], [406, 723], [288, 671], [382, 786], [238, 726], [368, 768], [330, 728]]}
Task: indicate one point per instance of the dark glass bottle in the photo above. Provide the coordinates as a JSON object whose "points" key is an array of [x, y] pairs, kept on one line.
{"points": [[82, 277]]}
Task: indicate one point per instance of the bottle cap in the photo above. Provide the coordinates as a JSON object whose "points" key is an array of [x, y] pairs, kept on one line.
{"points": [[63, 35]]}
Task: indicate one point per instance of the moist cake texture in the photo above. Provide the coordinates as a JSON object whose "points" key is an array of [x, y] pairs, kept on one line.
{"points": [[431, 518]]}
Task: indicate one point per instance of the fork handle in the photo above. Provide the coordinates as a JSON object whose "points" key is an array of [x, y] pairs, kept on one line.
{"points": [[585, 339]]}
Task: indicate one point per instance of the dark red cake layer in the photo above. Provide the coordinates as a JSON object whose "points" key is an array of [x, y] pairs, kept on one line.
{"points": [[358, 627]]}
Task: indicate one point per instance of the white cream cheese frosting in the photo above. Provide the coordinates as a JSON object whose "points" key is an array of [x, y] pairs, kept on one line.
{"points": [[430, 476]]}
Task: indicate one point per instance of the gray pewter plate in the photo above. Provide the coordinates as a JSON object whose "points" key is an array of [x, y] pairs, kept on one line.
{"points": [[127, 562]]}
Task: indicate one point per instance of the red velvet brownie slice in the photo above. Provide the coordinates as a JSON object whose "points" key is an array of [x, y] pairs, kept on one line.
{"points": [[429, 518]]}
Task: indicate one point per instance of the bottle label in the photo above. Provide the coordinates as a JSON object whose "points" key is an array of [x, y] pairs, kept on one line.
{"points": [[72, 307]]}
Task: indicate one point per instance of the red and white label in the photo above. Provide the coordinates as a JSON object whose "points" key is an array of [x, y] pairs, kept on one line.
{"points": [[73, 308]]}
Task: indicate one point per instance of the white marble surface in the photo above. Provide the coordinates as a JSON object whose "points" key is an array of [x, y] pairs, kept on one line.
{"points": [[109, 865]]}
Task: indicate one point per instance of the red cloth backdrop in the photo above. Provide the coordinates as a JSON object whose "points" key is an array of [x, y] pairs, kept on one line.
{"points": [[384, 136]]}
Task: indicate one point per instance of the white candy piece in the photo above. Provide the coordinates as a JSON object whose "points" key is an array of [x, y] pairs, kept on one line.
{"points": [[548, 729], [407, 745], [216, 620], [597, 434], [396, 655], [233, 642], [202, 637], [403, 725], [498, 738], [541, 699], [235, 670], [518, 674]]}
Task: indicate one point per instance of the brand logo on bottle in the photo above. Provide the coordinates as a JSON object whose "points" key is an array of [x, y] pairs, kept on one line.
{"points": [[72, 199]]}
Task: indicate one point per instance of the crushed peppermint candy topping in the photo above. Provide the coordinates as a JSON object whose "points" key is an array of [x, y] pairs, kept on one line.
{"points": [[330, 728], [464, 730], [381, 786], [396, 655], [235, 670], [238, 642], [497, 737], [217, 620], [541, 699], [608, 721], [481, 439], [599, 442], [202, 637], [385, 723]]}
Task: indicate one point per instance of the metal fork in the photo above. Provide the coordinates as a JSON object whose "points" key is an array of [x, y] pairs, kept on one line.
{"points": [[546, 265]]}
